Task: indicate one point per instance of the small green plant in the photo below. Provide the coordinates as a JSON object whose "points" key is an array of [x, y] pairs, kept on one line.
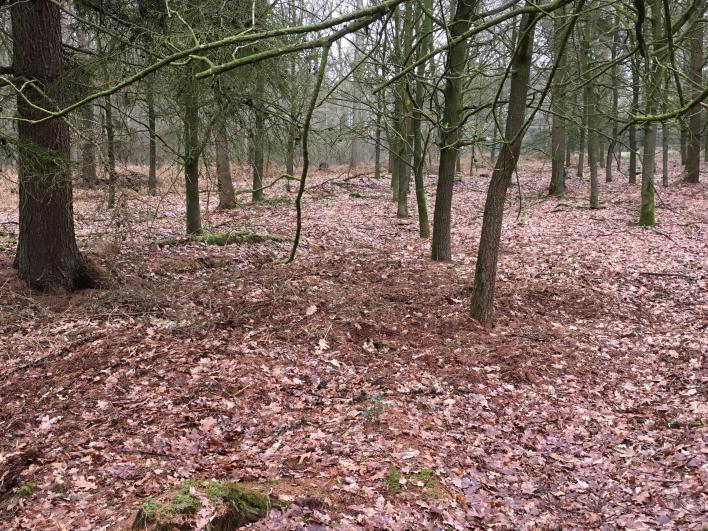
{"points": [[393, 480], [24, 491], [355, 195], [372, 413]]}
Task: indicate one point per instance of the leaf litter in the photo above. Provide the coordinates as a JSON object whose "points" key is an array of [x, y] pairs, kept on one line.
{"points": [[583, 407]]}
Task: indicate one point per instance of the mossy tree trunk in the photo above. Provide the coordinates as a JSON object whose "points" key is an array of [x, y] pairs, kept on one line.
{"points": [[653, 77], [110, 150], [482, 304]]}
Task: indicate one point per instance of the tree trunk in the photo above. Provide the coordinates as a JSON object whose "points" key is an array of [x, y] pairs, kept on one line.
{"points": [[634, 110], [581, 145], [227, 197], [654, 75], [47, 255], [615, 105], [418, 147], [110, 151], [377, 139], [191, 150], [450, 130], [693, 150], [587, 66], [88, 146], [258, 140], [558, 135], [481, 306], [152, 119]]}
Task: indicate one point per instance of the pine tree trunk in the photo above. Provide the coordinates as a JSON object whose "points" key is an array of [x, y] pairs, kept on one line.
{"points": [[47, 255], [693, 150], [481, 307], [227, 197], [450, 130], [191, 151]]}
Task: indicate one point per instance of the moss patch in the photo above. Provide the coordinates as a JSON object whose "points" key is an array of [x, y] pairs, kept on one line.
{"points": [[233, 504], [24, 491]]}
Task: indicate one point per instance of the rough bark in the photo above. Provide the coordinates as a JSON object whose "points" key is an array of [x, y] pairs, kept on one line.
{"points": [[47, 255], [481, 307]]}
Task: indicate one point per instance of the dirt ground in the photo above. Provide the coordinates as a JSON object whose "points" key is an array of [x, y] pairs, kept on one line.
{"points": [[352, 383]]}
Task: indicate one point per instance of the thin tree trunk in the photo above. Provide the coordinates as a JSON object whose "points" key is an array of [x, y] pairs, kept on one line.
{"points": [[634, 110], [88, 146], [615, 104], [152, 121], [481, 307], [693, 150], [450, 130], [558, 132], [654, 75], [581, 145], [258, 140], [590, 98], [191, 151], [110, 151], [47, 255]]}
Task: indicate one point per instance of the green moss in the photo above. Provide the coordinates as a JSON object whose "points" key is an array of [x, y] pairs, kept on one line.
{"points": [[235, 504], [393, 480], [24, 491], [355, 195]]}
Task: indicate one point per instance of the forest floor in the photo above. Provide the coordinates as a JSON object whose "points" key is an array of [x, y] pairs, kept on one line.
{"points": [[352, 382]]}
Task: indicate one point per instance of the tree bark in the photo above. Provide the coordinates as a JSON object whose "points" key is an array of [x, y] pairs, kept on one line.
{"points": [[653, 77], [88, 146], [110, 151], [152, 122], [481, 307], [191, 151], [693, 150], [227, 197], [47, 255], [615, 104], [450, 130], [634, 109], [590, 98], [258, 140], [558, 134]]}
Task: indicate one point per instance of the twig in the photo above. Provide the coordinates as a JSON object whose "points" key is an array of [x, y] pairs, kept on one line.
{"points": [[677, 275]]}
